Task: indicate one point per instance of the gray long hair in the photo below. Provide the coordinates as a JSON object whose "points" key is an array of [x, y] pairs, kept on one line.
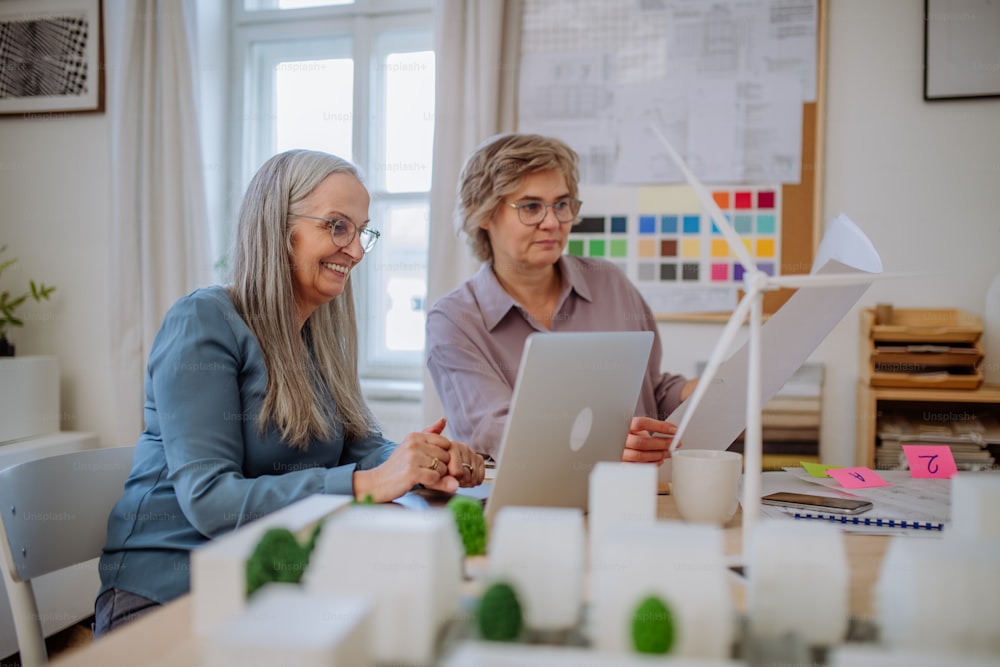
{"points": [[262, 292]]}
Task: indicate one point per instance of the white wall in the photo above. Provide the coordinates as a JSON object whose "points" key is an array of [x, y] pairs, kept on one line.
{"points": [[922, 179], [54, 210]]}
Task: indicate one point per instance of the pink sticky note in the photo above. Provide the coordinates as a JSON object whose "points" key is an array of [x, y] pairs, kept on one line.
{"points": [[930, 461], [857, 478]]}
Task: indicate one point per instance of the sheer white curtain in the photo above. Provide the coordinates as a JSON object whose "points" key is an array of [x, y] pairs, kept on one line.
{"points": [[478, 43], [158, 231]]}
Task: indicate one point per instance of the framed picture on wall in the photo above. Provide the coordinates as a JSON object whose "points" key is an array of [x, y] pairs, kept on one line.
{"points": [[961, 49], [51, 57]]}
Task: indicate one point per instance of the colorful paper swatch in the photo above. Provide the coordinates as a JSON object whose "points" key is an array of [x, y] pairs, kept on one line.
{"points": [[668, 239]]}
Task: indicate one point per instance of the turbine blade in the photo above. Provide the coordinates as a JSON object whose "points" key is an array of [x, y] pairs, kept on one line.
{"points": [[716, 358], [735, 243]]}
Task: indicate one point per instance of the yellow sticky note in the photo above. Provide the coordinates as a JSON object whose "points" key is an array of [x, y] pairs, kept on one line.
{"points": [[816, 469]]}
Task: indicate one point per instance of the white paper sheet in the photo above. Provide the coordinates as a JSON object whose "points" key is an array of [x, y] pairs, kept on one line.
{"points": [[725, 80], [787, 339]]}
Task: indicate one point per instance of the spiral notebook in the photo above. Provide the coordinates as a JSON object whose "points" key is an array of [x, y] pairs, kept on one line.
{"points": [[908, 507], [870, 522]]}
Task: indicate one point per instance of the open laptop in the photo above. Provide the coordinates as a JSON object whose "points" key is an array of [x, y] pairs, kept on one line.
{"points": [[573, 401]]}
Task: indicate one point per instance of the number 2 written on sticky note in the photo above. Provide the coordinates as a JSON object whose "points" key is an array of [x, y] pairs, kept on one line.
{"points": [[857, 478], [935, 461]]}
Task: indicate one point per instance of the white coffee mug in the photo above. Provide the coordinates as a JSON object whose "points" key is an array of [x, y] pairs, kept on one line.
{"points": [[706, 484]]}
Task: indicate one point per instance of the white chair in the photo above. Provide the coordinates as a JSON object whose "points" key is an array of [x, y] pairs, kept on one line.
{"points": [[54, 514]]}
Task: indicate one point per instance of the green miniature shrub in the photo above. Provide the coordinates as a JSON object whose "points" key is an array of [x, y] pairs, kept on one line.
{"points": [[313, 538], [470, 522], [652, 627], [500, 613], [277, 557]]}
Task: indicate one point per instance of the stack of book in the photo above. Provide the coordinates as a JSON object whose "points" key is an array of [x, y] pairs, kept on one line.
{"points": [[967, 432], [791, 420]]}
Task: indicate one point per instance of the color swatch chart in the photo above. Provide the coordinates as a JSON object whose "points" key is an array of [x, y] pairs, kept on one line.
{"points": [[663, 236]]}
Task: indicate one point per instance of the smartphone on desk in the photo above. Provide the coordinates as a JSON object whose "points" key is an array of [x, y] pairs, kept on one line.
{"points": [[805, 501]]}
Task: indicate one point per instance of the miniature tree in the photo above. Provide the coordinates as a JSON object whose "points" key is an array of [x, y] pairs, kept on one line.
{"points": [[470, 522], [500, 613], [652, 626], [313, 538], [277, 557]]}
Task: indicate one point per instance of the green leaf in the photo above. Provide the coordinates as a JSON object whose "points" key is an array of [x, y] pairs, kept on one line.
{"points": [[14, 303], [38, 292]]}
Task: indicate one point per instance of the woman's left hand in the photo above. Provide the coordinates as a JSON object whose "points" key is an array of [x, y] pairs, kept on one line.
{"points": [[465, 465], [648, 441]]}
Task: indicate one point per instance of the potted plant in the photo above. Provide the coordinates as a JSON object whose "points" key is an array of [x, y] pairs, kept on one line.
{"points": [[10, 303]]}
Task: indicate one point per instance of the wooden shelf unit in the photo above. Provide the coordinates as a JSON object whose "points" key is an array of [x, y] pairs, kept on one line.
{"points": [[871, 398], [956, 387]]}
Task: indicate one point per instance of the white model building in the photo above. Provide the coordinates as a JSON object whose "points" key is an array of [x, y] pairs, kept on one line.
{"points": [[619, 494], [409, 564], [285, 625], [680, 563], [539, 551], [975, 497], [499, 654], [219, 571], [940, 595], [798, 581]]}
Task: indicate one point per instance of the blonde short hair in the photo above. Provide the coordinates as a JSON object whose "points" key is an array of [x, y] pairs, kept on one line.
{"points": [[497, 168]]}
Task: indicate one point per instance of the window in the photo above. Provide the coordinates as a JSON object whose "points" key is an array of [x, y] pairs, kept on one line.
{"points": [[355, 79]]}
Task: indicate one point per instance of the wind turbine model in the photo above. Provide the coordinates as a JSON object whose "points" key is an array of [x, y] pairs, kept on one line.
{"points": [[840, 241]]}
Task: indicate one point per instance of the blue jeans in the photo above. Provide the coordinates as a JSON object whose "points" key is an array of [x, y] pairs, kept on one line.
{"points": [[116, 607]]}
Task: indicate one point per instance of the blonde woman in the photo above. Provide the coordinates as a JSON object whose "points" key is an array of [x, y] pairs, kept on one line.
{"points": [[517, 201]]}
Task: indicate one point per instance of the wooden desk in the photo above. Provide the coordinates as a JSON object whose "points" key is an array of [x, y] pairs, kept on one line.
{"points": [[163, 638]]}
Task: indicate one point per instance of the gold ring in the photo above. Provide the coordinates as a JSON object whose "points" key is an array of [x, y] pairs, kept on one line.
{"points": [[434, 464], [467, 466]]}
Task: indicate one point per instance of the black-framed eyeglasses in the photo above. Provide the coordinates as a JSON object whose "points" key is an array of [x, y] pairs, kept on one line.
{"points": [[342, 232], [533, 211]]}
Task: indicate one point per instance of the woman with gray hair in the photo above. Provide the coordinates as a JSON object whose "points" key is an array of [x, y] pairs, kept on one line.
{"points": [[252, 394], [517, 200]]}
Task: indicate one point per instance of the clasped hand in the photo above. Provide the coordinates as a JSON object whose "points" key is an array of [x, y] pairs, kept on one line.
{"points": [[426, 458]]}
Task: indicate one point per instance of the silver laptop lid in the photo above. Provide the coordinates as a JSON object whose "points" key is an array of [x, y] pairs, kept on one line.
{"points": [[574, 398]]}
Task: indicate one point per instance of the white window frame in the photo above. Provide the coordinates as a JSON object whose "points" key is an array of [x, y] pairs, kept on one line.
{"points": [[361, 22]]}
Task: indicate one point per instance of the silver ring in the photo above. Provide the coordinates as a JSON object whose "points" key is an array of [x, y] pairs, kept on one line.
{"points": [[467, 466]]}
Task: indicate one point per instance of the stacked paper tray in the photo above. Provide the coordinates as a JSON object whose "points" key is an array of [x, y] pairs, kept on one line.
{"points": [[924, 348]]}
